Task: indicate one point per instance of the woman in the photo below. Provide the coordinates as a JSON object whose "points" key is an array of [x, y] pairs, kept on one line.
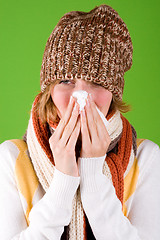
{"points": [[73, 177]]}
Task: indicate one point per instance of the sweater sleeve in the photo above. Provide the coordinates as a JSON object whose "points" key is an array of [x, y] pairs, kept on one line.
{"points": [[48, 216], [107, 220]]}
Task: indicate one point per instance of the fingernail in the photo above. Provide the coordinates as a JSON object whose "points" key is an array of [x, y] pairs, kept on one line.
{"points": [[83, 112], [87, 101], [90, 96], [71, 99], [75, 107]]}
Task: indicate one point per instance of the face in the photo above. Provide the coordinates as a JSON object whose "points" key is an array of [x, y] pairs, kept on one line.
{"points": [[62, 92]]}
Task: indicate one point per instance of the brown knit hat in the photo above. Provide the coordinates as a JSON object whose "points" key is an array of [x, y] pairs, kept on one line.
{"points": [[94, 46]]}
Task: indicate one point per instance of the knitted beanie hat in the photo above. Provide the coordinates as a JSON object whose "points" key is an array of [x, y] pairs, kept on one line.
{"points": [[94, 46]]}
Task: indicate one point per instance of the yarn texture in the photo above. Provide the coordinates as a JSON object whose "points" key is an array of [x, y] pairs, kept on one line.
{"points": [[120, 155], [94, 46]]}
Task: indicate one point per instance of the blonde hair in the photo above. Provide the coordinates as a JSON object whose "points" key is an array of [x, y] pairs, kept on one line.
{"points": [[47, 110]]}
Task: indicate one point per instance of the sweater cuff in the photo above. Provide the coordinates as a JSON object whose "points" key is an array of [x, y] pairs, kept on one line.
{"points": [[91, 174], [62, 189]]}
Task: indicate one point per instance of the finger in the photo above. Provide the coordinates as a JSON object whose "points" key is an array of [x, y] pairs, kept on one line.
{"points": [[101, 128], [74, 136], [90, 121], [70, 125], [64, 120], [84, 129]]}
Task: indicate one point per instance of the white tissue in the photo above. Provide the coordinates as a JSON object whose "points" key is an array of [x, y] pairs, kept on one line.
{"points": [[81, 96]]}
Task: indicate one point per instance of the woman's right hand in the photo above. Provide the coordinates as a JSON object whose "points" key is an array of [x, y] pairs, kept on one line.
{"points": [[63, 140]]}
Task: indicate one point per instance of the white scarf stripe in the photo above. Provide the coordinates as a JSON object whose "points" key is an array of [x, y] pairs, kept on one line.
{"points": [[43, 166], [45, 171]]}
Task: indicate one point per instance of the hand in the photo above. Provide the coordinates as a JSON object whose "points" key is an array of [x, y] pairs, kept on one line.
{"points": [[95, 137], [63, 140]]}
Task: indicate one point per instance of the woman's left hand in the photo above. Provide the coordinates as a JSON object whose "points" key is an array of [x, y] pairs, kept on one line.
{"points": [[95, 137]]}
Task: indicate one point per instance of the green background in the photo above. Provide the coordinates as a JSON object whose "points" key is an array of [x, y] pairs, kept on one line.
{"points": [[24, 29]]}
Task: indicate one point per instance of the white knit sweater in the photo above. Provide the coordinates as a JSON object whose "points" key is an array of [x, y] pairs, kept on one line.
{"points": [[52, 211]]}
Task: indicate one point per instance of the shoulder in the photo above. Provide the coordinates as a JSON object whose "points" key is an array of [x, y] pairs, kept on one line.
{"points": [[148, 154], [9, 152], [146, 144], [147, 149]]}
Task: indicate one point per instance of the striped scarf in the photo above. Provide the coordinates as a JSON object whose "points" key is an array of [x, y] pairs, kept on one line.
{"points": [[119, 159]]}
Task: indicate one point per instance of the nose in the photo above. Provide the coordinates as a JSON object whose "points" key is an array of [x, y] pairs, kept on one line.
{"points": [[81, 85]]}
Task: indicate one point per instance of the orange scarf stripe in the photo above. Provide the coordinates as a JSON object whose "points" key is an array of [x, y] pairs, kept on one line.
{"points": [[117, 162], [41, 132], [110, 114], [117, 174], [127, 143]]}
